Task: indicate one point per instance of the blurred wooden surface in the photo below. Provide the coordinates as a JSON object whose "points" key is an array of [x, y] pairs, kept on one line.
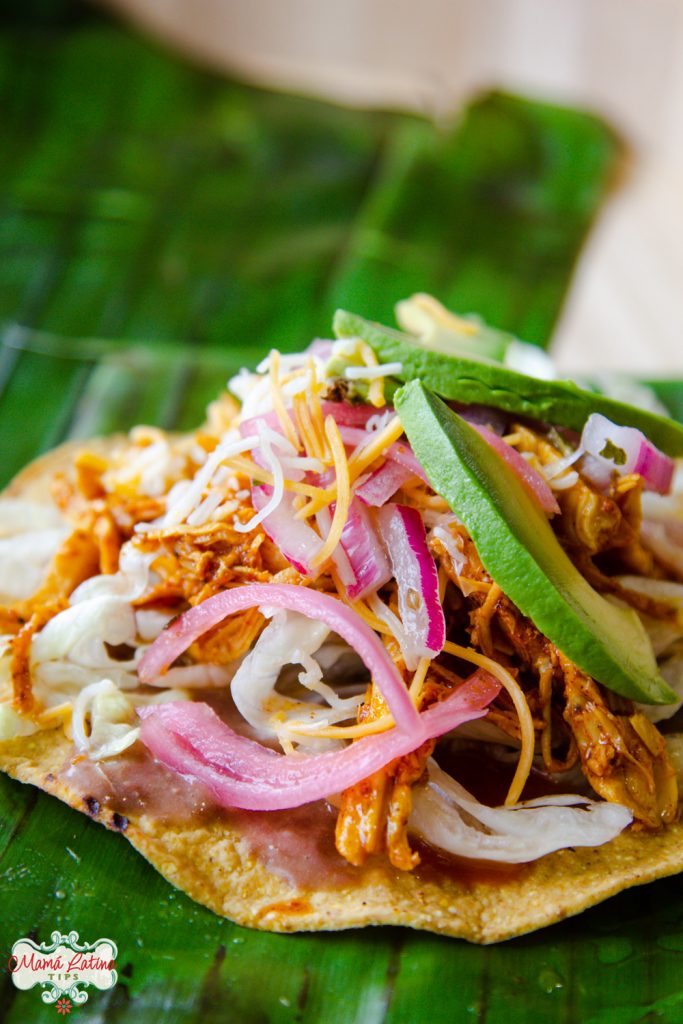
{"points": [[621, 58]]}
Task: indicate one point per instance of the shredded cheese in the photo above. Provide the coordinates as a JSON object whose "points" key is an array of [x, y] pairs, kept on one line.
{"points": [[279, 402], [376, 389], [485, 615], [249, 469], [278, 485], [359, 607], [526, 724], [343, 485], [359, 461], [187, 500], [342, 732], [304, 422], [313, 389], [417, 682]]}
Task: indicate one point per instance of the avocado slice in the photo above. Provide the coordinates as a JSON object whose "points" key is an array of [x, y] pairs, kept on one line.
{"points": [[482, 381], [522, 554]]}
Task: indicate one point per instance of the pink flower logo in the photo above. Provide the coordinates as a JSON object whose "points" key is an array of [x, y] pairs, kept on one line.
{"points": [[63, 1006]]}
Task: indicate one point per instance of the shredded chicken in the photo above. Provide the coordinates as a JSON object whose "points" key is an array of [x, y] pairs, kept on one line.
{"points": [[374, 813], [591, 522], [624, 757], [23, 699], [84, 500]]}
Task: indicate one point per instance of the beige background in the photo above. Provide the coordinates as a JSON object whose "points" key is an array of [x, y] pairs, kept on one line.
{"points": [[622, 58]]}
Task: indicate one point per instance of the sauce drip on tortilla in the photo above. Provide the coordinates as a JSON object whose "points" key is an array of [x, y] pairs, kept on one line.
{"points": [[296, 844]]}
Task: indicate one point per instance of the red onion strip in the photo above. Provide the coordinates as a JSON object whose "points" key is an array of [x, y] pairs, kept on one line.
{"points": [[364, 550], [402, 454], [381, 485], [187, 628], [294, 537], [347, 415], [532, 480], [403, 532], [190, 738]]}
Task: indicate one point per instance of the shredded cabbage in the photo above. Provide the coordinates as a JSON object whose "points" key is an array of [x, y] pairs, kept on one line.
{"points": [[111, 716], [30, 535], [13, 725], [103, 721], [449, 817], [290, 638]]}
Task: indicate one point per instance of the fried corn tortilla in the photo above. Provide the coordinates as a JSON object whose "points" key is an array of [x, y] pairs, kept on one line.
{"points": [[216, 861]]}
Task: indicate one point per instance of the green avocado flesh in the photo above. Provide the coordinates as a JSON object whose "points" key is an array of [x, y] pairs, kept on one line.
{"points": [[521, 553], [465, 379]]}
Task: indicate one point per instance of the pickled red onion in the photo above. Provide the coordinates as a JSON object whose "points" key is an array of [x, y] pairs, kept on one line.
{"points": [[404, 536], [398, 452], [347, 415], [192, 624], [295, 538], [533, 481], [381, 485], [365, 552], [191, 739], [403, 454]]}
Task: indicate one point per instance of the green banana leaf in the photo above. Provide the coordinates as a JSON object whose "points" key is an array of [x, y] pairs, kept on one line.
{"points": [[146, 201]]}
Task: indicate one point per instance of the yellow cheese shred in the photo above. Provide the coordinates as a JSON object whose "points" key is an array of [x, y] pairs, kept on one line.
{"points": [[376, 389], [418, 680], [376, 393], [359, 607], [308, 432], [526, 724], [360, 729], [313, 392], [343, 486], [342, 732], [358, 462], [279, 402], [249, 469]]}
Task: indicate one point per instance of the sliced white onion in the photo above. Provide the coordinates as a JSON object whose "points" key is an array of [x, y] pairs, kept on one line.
{"points": [[443, 811], [150, 622], [111, 721]]}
